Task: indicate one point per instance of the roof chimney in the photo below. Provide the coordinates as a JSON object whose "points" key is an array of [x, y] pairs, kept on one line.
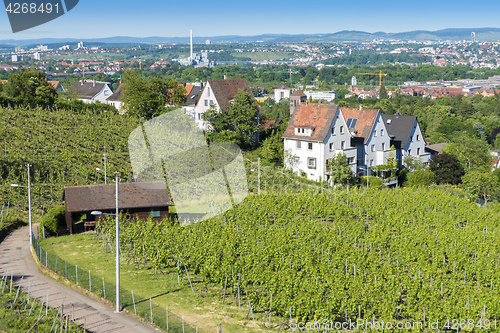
{"points": [[225, 77], [82, 82], [93, 83], [360, 107]]}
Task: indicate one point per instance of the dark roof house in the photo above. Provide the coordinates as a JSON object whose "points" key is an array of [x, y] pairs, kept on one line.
{"points": [[91, 91], [140, 199]]}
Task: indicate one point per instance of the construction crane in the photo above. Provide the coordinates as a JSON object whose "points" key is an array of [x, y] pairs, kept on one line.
{"points": [[380, 75]]}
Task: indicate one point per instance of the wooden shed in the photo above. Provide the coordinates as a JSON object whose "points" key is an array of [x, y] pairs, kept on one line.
{"points": [[140, 199]]}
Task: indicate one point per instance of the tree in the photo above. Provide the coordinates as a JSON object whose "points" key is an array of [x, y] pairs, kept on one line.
{"points": [[273, 148], [382, 93], [147, 98], [339, 169], [413, 163], [30, 87], [447, 169], [421, 177], [473, 153], [240, 120], [484, 185]]}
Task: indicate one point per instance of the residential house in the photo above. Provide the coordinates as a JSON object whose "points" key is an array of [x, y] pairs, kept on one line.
{"points": [[57, 85], [193, 93], [116, 99], [139, 199], [317, 132], [92, 91], [218, 94], [296, 99], [369, 136], [406, 137]]}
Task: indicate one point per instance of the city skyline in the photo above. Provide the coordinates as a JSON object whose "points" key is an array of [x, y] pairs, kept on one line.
{"points": [[95, 19]]}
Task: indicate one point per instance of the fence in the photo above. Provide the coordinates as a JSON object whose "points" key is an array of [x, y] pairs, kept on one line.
{"points": [[141, 306]]}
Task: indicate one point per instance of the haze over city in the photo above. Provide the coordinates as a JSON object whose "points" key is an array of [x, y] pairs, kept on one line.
{"points": [[94, 19]]}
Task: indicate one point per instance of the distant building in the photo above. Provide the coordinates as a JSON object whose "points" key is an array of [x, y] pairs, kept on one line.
{"points": [[15, 58], [37, 56], [281, 93], [116, 99], [354, 81], [321, 95], [296, 99]]}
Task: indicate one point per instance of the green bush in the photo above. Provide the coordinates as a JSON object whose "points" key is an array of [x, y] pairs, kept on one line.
{"points": [[420, 178], [374, 181], [53, 220]]}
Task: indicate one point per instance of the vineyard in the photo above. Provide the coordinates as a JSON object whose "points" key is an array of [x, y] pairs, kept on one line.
{"points": [[63, 147], [338, 255]]}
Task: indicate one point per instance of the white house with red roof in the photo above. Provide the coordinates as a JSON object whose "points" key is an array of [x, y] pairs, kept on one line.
{"points": [[317, 132], [218, 94]]}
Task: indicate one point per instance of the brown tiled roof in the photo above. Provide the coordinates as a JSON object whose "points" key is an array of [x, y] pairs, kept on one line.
{"points": [[102, 197], [299, 93], [225, 90], [54, 83], [311, 115], [267, 123], [366, 120], [117, 95], [88, 89]]}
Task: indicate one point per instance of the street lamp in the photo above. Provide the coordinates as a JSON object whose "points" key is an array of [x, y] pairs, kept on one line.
{"points": [[105, 171], [29, 204], [117, 244]]}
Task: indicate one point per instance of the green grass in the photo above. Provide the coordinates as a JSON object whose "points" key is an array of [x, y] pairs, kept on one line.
{"points": [[260, 56], [16, 318], [204, 312]]}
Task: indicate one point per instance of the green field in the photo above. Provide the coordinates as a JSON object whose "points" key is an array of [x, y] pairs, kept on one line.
{"points": [[261, 56]]}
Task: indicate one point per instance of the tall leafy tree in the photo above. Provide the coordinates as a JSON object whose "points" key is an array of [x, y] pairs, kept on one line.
{"points": [[30, 87], [239, 124], [447, 169], [339, 169], [484, 185], [472, 152], [147, 98]]}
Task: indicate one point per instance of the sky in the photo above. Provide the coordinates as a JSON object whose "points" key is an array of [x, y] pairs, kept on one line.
{"points": [[108, 18]]}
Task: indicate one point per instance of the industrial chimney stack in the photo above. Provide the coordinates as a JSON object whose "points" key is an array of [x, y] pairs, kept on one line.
{"points": [[191, 42]]}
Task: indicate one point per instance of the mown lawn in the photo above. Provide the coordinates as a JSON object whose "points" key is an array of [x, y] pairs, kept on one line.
{"points": [[204, 312]]}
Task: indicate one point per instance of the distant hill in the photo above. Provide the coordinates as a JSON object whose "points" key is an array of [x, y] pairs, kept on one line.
{"points": [[482, 35]]}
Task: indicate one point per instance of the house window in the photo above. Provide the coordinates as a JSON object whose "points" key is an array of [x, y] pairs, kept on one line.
{"points": [[155, 213], [341, 129], [411, 138], [383, 146], [382, 132], [409, 152], [206, 102], [311, 163], [418, 151], [208, 91], [418, 137], [374, 133], [303, 131], [299, 144], [211, 102], [371, 162], [333, 130], [199, 116], [350, 160], [331, 146], [309, 145], [342, 145], [373, 147]]}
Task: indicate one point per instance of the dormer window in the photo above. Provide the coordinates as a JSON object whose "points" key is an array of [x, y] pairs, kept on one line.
{"points": [[303, 131]]}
